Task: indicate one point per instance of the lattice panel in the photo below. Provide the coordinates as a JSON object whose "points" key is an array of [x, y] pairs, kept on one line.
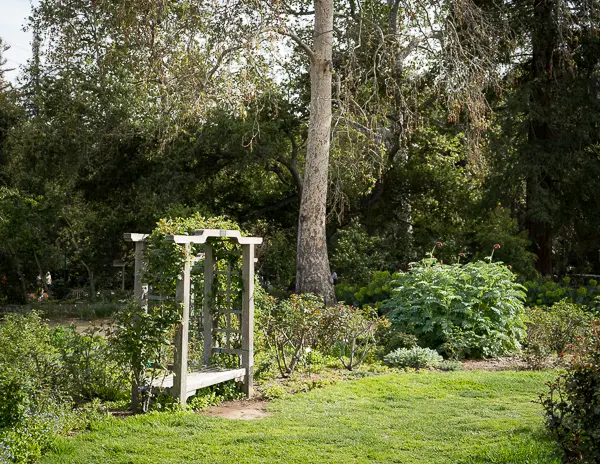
{"points": [[227, 311]]}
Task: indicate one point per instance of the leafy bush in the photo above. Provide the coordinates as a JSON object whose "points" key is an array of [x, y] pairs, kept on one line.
{"points": [[551, 330], [416, 357], [548, 292], [141, 339], [356, 254], [377, 291], [29, 366], [572, 406], [389, 339], [89, 368], [292, 326], [34, 404], [472, 310]]}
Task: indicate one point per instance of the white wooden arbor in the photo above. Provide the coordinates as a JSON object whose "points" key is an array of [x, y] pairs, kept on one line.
{"points": [[181, 383]]}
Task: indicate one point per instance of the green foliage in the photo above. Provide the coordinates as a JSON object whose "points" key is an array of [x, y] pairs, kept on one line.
{"points": [[548, 292], [551, 330], [89, 366], [377, 291], [141, 339], [499, 227], [416, 358], [353, 333], [273, 392], [389, 339], [294, 325], [471, 310], [34, 402], [572, 406], [214, 395], [302, 328], [279, 261], [356, 255], [30, 367], [449, 365]]}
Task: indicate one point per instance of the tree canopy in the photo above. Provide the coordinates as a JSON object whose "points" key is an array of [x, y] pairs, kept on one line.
{"points": [[330, 128]]}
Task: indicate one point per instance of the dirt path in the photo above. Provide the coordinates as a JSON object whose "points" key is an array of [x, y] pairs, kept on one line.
{"points": [[240, 410]]}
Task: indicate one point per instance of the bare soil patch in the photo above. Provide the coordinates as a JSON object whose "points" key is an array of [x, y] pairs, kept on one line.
{"points": [[239, 410], [497, 364]]}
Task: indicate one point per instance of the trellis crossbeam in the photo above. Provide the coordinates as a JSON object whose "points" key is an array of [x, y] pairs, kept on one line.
{"points": [[201, 235]]}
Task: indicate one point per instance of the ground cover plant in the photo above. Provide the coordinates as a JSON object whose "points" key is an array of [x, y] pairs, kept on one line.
{"points": [[404, 418], [416, 357]]}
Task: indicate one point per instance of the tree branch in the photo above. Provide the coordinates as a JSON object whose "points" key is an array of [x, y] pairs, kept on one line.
{"points": [[292, 35]]}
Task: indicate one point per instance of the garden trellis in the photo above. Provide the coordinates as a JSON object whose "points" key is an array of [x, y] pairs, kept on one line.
{"points": [[225, 318]]}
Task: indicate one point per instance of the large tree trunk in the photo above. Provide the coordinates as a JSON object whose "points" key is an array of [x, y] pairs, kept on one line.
{"points": [[545, 67], [312, 268]]}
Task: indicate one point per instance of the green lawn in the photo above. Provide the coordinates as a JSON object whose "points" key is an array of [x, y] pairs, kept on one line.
{"points": [[428, 417]]}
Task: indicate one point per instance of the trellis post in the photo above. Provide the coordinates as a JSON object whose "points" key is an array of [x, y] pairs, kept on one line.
{"points": [[140, 290], [209, 266], [182, 298], [248, 318]]}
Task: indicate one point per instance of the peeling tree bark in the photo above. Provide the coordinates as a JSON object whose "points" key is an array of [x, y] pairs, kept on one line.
{"points": [[312, 265]]}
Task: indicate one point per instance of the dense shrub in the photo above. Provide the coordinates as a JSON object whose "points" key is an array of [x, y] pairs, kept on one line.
{"points": [[356, 254], [29, 366], [548, 292], [89, 366], [41, 370], [377, 291], [416, 357], [389, 339], [471, 310], [34, 405], [572, 406], [551, 330]]}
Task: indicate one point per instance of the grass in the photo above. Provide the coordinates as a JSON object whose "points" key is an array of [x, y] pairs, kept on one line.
{"points": [[429, 417]]}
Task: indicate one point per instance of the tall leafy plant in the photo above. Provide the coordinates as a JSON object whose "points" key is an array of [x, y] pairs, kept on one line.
{"points": [[473, 310]]}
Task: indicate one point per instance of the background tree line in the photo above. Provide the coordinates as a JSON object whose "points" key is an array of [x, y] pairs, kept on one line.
{"points": [[468, 122]]}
